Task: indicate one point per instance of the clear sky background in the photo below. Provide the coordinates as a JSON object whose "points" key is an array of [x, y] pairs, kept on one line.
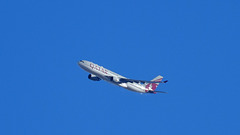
{"points": [[193, 44]]}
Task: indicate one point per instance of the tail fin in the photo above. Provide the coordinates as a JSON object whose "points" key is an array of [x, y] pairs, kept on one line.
{"points": [[153, 86]]}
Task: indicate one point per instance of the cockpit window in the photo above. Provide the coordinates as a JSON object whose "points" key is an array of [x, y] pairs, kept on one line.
{"points": [[82, 61]]}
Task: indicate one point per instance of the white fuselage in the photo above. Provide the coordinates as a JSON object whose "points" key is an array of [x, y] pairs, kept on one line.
{"points": [[104, 74]]}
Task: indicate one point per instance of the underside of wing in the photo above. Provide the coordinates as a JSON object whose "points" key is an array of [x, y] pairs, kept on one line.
{"points": [[125, 80]]}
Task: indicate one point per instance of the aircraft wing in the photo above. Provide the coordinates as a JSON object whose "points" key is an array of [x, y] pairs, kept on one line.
{"points": [[125, 80]]}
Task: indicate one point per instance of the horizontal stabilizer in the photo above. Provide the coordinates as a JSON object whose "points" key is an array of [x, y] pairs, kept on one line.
{"points": [[161, 92]]}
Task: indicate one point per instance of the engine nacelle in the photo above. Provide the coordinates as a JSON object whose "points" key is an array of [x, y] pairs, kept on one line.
{"points": [[114, 79], [93, 77]]}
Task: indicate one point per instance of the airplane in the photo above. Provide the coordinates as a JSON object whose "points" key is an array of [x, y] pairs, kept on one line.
{"points": [[98, 73]]}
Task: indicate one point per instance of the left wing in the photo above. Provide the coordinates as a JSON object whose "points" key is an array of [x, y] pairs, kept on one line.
{"points": [[125, 80]]}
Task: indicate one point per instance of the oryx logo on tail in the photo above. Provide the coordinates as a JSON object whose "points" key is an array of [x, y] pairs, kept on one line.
{"points": [[153, 86]]}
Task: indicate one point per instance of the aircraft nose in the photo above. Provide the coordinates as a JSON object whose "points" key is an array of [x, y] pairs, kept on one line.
{"points": [[80, 62]]}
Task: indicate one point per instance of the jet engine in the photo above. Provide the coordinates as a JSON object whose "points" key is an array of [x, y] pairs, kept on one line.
{"points": [[114, 79], [93, 77]]}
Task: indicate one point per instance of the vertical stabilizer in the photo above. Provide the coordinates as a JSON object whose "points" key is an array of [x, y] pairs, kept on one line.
{"points": [[153, 86]]}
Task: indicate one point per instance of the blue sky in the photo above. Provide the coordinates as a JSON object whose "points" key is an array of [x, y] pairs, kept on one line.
{"points": [[193, 44]]}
